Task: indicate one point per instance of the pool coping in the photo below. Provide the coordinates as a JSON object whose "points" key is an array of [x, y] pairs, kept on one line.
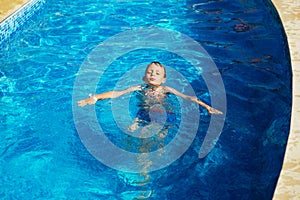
{"points": [[288, 185], [9, 8], [15, 20]]}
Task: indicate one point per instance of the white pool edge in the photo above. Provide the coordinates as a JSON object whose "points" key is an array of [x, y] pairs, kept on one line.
{"points": [[14, 21], [288, 185]]}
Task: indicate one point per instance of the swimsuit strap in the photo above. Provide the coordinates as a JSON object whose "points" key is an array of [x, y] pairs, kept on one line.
{"points": [[145, 87]]}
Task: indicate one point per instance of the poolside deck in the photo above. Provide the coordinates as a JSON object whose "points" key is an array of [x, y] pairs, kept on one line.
{"points": [[288, 187], [8, 7]]}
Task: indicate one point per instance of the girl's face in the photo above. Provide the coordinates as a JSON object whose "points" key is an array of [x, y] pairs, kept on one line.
{"points": [[154, 75]]}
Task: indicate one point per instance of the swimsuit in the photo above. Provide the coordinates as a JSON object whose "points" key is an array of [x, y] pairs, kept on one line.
{"points": [[154, 107]]}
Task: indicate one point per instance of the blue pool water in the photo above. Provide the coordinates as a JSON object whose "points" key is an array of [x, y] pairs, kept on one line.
{"points": [[41, 153]]}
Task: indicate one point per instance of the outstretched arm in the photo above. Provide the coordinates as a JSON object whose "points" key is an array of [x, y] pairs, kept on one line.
{"points": [[210, 109], [107, 95]]}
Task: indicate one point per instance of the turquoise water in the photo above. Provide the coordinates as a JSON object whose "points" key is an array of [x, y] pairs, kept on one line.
{"points": [[41, 154]]}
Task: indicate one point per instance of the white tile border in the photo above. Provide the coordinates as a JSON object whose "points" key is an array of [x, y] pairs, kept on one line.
{"points": [[11, 24]]}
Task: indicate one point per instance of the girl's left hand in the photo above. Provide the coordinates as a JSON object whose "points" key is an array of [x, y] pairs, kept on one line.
{"points": [[214, 111]]}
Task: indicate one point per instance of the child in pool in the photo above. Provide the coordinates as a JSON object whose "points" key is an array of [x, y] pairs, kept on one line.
{"points": [[153, 94], [155, 75]]}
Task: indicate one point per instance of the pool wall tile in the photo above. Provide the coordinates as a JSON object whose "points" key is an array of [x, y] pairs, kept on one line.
{"points": [[18, 18]]}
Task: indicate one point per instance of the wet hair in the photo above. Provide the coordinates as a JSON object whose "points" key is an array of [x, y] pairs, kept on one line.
{"points": [[158, 64]]}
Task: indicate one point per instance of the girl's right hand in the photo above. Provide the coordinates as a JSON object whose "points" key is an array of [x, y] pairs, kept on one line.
{"points": [[88, 101]]}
